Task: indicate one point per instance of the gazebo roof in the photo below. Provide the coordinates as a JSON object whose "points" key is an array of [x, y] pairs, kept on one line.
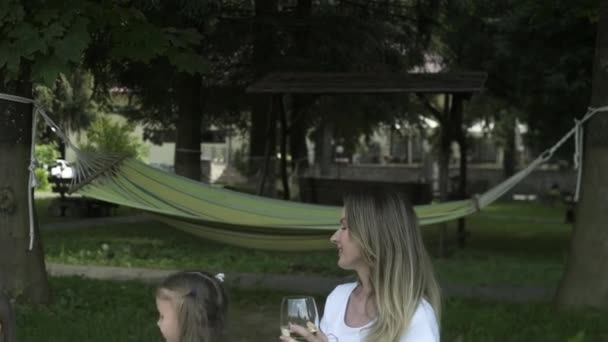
{"points": [[369, 83]]}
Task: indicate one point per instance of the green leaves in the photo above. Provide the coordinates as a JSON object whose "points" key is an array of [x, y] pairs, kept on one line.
{"points": [[51, 41], [580, 337], [9, 59], [56, 35], [188, 62], [46, 69], [111, 136], [46, 15], [11, 11], [138, 41], [71, 46]]}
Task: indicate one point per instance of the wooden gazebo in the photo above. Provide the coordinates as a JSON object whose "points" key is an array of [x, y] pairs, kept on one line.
{"points": [[457, 86], [464, 83]]}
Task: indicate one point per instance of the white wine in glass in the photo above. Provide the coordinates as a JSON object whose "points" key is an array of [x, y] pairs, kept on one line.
{"points": [[299, 310]]}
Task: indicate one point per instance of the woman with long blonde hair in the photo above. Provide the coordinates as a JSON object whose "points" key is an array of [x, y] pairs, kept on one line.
{"points": [[396, 297]]}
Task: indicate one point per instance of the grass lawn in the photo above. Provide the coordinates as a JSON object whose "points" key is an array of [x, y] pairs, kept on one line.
{"points": [[510, 244], [90, 310]]}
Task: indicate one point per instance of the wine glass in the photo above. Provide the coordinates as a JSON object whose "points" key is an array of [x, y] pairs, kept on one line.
{"points": [[299, 310]]}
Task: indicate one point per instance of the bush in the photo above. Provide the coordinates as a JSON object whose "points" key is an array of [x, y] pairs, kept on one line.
{"points": [[46, 154], [240, 159], [42, 179], [110, 136]]}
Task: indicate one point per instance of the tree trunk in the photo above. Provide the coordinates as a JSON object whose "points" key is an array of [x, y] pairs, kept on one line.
{"points": [[263, 52], [457, 116], [300, 103], [585, 282], [462, 191], [508, 161], [325, 146], [266, 185], [188, 137], [297, 132], [444, 172], [8, 325], [22, 272], [284, 136]]}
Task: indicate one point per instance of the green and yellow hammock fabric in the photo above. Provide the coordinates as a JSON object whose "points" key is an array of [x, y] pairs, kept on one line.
{"points": [[246, 220], [236, 218]]}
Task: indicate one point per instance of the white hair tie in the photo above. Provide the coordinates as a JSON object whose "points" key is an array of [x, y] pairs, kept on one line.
{"points": [[220, 277]]}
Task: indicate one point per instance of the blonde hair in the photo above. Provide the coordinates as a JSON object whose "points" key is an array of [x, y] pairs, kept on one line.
{"points": [[201, 304], [385, 226]]}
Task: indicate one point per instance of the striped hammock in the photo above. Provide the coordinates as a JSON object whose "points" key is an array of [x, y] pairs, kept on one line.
{"points": [[246, 220], [242, 219]]}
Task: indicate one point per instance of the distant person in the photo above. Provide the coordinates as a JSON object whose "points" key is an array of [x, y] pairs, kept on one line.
{"points": [[192, 307], [396, 297]]}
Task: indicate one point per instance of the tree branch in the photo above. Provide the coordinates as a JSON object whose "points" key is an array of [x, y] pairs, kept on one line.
{"points": [[434, 111]]}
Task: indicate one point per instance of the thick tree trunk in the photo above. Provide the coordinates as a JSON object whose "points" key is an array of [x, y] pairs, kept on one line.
{"points": [[22, 272], [585, 282], [188, 139], [8, 325]]}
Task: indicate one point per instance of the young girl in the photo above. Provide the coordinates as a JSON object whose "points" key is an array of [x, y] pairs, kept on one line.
{"points": [[191, 307], [396, 297]]}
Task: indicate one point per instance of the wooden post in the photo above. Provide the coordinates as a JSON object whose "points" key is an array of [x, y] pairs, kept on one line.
{"points": [[268, 172], [461, 132], [283, 147]]}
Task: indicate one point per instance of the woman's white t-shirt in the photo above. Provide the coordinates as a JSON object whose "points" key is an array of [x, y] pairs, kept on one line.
{"points": [[423, 327]]}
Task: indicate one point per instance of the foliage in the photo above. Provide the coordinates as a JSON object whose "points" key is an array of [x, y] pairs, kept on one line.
{"points": [[41, 39], [69, 101], [107, 135], [42, 179], [520, 43], [343, 36], [357, 115], [552, 85], [45, 155], [240, 159]]}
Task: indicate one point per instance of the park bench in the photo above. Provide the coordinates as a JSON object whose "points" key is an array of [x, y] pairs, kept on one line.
{"points": [[76, 205]]}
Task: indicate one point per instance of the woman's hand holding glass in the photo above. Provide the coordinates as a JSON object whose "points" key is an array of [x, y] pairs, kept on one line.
{"points": [[300, 320]]}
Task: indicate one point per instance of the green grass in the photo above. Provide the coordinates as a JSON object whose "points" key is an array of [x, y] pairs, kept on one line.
{"points": [[509, 245], [100, 311], [157, 245]]}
